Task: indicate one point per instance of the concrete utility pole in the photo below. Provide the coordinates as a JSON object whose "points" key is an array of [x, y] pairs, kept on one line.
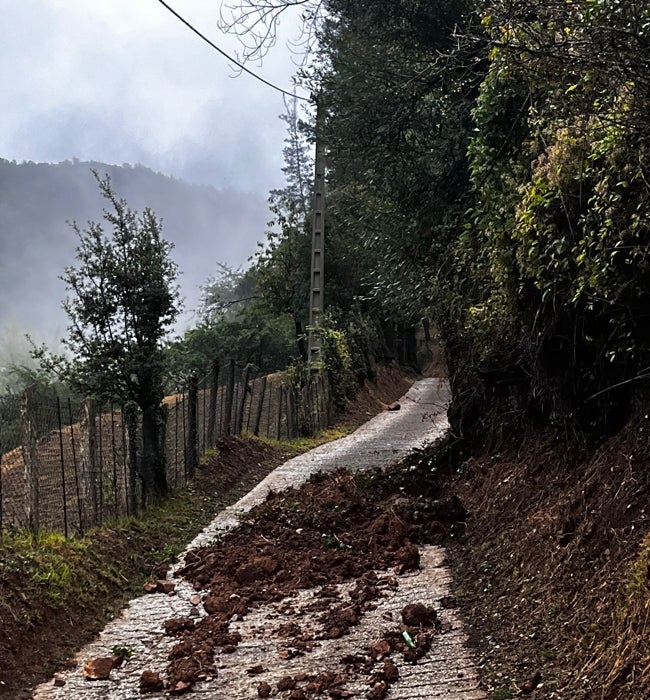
{"points": [[317, 245]]}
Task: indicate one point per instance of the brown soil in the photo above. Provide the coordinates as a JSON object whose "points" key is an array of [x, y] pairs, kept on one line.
{"points": [[553, 572], [37, 632], [336, 529], [552, 568]]}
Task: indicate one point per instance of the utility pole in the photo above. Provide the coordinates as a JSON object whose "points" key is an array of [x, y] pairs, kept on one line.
{"points": [[317, 245]]}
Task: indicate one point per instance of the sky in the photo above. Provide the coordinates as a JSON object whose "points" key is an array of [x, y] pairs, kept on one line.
{"points": [[124, 81]]}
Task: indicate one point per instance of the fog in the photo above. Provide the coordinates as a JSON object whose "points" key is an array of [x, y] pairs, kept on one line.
{"points": [[37, 201], [123, 82], [119, 81]]}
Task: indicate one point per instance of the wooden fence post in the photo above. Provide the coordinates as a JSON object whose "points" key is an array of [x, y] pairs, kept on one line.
{"points": [[279, 416], [239, 423], [88, 449], [260, 407], [230, 393], [192, 447], [131, 416], [64, 491], [212, 406], [290, 414], [30, 458]]}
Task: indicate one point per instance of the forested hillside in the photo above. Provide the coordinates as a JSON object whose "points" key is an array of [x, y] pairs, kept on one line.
{"points": [[37, 199]]}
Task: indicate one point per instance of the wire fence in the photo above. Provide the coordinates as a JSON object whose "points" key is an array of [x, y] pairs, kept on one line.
{"points": [[68, 465]]}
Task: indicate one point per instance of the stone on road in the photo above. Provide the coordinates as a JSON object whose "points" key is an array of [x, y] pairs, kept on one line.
{"points": [[445, 672]]}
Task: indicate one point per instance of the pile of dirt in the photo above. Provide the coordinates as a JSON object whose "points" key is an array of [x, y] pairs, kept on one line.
{"points": [[553, 572], [39, 630], [335, 529]]}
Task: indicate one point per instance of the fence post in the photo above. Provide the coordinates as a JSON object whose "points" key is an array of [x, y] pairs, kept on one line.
{"points": [[329, 406], [279, 419], [306, 406], [131, 417], [305, 418], [230, 393], [290, 431], [191, 449], [258, 417], [316, 402], [64, 492], [30, 458], [125, 459], [87, 437], [250, 406], [76, 467], [99, 501], [240, 409], [322, 406]]}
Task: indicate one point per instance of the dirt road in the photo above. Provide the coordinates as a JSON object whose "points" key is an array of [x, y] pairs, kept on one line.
{"points": [[445, 671]]}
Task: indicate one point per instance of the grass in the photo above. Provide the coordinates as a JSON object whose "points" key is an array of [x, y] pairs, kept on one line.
{"points": [[303, 444], [45, 559], [625, 649]]}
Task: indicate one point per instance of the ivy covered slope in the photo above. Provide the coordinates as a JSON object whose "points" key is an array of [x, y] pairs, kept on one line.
{"points": [[487, 166], [560, 220]]}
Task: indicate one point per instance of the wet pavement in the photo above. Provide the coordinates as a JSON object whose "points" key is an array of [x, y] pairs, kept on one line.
{"points": [[446, 671]]}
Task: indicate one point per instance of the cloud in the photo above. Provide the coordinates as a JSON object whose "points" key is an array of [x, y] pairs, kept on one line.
{"points": [[123, 81]]}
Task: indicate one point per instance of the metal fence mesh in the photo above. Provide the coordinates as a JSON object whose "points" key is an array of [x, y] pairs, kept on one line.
{"points": [[66, 465]]}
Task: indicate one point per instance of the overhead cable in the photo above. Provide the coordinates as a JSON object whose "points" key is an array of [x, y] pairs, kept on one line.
{"points": [[239, 65]]}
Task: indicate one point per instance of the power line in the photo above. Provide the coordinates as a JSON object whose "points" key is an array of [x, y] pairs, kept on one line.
{"points": [[239, 65]]}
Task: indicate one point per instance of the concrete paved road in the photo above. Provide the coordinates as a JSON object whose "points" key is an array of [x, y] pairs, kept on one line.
{"points": [[446, 672]]}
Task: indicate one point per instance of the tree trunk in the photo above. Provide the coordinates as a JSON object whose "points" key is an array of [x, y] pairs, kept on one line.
{"points": [[154, 476]]}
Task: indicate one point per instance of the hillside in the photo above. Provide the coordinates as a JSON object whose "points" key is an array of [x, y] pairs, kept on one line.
{"points": [[38, 199]]}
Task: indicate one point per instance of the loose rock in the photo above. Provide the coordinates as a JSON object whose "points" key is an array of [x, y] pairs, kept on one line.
{"points": [[99, 669], [151, 682]]}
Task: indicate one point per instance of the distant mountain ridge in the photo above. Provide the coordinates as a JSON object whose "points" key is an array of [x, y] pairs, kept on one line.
{"points": [[37, 200]]}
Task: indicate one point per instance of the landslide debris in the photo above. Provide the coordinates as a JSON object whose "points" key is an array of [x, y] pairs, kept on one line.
{"points": [[336, 529]]}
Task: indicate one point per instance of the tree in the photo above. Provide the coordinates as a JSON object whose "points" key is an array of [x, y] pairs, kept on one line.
{"points": [[234, 322], [123, 299], [255, 23], [225, 294], [398, 87]]}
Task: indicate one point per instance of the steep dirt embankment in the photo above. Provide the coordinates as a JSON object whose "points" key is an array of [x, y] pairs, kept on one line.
{"points": [[553, 571]]}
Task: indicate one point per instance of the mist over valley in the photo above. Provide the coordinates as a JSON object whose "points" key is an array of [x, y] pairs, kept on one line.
{"points": [[37, 200]]}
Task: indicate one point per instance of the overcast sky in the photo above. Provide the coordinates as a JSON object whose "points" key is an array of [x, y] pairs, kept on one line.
{"points": [[123, 81]]}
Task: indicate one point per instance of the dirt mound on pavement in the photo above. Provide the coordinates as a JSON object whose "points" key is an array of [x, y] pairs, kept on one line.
{"points": [[335, 529]]}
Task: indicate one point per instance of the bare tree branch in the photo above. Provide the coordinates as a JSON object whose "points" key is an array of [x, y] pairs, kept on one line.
{"points": [[256, 24]]}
